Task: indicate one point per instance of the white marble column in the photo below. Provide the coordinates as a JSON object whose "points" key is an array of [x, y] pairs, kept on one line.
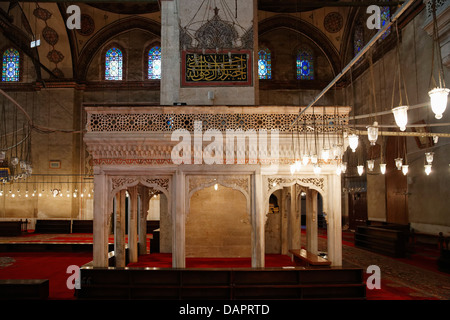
{"points": [[258, 235], [294, 220], [102, 209], [143, 209], [119, 236], [179, 221], [132, 224], [334, 216], [284, 208], [311, 221]]}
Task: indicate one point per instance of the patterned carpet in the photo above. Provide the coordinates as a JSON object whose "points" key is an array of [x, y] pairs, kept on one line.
{"points": [[420, 283]]}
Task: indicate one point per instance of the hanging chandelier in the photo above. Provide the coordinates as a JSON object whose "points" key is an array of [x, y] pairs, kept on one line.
{"points": [[370, 165], [401, 116], [439, 94], [383, 168], [372, 133], [360, 169], [398, 163], [427, 169], [353, 141]]}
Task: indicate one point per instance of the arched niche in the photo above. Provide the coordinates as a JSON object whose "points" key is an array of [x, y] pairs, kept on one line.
{"points": [[218, 223]]}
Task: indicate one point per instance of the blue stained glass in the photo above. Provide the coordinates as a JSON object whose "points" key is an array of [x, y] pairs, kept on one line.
{"points": [[305, 65], [385, 17], [10, 70], [154, 63], [358, 39], [264, 64], [113, 64]]}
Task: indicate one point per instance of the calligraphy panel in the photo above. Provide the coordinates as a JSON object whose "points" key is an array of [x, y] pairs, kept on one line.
{"points": [[213, 68]]}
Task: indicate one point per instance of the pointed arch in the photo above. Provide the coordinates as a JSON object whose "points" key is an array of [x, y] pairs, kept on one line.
{"points": [[114, 57]]}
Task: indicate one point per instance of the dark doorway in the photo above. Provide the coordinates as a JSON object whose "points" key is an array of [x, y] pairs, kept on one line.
{"points": [[357, 209]]}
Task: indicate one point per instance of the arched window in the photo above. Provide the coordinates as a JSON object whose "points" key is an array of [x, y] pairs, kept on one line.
{"points": [[264, 64], [154, 63], [358, 38], [10, 70], [113, 64], [305, 65]]}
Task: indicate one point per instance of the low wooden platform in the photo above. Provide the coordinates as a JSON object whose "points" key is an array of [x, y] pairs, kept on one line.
{"points": [[226, 284], [302, 257], [29, 289]]}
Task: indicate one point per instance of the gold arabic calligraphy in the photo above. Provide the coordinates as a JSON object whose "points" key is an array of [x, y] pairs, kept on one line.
{"points": [[216, 67]]}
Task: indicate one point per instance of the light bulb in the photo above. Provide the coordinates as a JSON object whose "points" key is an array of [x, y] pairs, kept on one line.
{"points": [[428, 169], [216, 186], [353, 141], [401, 116], [360, 170], [383, 168], [405, 169], [438, 101]]}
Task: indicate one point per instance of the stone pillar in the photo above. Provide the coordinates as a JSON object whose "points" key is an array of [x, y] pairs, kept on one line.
{"points": [[334, 216], [179, 221], [132, 224], [311, 221], [294, 220], [284, 208], [119, 236], [170, 50], [102, 208], [143, 211], [257, 214]]}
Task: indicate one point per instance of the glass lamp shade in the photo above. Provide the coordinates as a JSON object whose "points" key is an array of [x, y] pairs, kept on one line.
{"points": [[372, 133], [325, 154], [429, 157], [297, 165], [2, 155], [383, 168], [370, 164], [399, 163], [438, 100], [344, 167], [360, 170], [317, 169], [338, 170], [405, 169], [314, 159], [292, 168], [305, 159], [353, 141], [337, 151], [216, 186], [14, 161], [401, 116], [428, 169]]}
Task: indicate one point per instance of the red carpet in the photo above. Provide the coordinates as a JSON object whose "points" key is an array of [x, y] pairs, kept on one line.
{"points": [[44, 265]]}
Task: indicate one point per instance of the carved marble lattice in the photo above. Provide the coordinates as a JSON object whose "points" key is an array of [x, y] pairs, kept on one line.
{"points": [[240, 183], [317, 182], [104, 122], [118, 182]]}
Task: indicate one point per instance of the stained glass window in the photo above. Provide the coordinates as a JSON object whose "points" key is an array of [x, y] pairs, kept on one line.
{"points": [[113, 64], [154, 63], [264, 64], [305, 65], [358, 38], [10, 70], [385, 17]]}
